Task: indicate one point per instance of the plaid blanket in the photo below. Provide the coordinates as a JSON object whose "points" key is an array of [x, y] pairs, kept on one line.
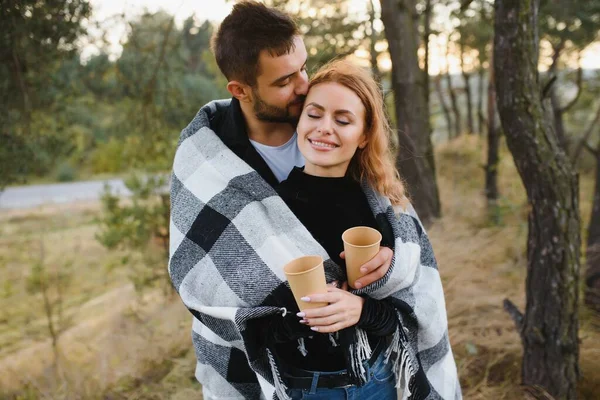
{"points": [[231, 234]]}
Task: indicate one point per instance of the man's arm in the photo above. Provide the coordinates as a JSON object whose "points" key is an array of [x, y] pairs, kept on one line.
{"points": [[375, 268]]}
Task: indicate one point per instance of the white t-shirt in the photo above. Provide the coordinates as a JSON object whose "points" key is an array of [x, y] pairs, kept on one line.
{"points": [[281, 159]]}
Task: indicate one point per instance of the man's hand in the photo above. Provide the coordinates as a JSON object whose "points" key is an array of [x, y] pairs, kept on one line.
{"points": [[375, 268]]}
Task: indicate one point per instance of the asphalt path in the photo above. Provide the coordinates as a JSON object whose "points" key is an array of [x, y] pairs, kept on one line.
{"points": [[31, 196]]}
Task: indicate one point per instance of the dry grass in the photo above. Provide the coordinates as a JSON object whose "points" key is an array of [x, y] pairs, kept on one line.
{"points": [[121, 347], [114, 333]]}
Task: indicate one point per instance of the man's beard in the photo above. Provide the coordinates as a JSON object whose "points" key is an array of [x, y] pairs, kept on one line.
{"points": [[268, 113]]}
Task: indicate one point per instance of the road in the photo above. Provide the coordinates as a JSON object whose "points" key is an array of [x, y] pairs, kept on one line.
{"points": [[21, 197]]}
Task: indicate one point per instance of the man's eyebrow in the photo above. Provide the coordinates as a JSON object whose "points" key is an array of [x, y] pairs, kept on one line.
{"points": [[283, 78]]}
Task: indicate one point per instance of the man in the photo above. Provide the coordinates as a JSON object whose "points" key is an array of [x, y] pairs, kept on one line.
{"points": [[262, 55]]}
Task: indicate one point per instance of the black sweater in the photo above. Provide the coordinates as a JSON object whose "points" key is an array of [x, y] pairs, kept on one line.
{"points": [[327, 207]]}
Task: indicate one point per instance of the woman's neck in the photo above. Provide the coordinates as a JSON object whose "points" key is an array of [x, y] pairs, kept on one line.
{"points": [[336, 171]]}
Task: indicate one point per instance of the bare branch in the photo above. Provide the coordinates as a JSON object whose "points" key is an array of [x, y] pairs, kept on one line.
{"points": [[515, 314], [595, 152], [548, 87], [557, 52]]}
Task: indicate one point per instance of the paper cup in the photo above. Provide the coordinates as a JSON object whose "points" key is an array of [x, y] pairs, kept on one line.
{"points": [[306, 276], [361, 244]]}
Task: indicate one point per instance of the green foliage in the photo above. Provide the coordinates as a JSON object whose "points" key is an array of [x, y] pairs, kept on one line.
{"points": [[36, 36], [328, 29], [575, 21], [140, 226], [65, 172]]}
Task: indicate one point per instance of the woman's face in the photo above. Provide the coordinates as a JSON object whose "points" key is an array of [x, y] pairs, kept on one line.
{"points": [[330, 129]]}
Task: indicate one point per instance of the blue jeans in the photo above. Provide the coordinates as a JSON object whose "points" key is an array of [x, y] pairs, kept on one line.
{"points": [[381, 386]]}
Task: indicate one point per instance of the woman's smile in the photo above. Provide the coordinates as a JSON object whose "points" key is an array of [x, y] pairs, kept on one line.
{"points": [[322, 145]]}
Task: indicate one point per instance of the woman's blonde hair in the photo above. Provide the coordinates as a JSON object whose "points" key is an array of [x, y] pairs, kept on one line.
{"points": [[374, 163]]}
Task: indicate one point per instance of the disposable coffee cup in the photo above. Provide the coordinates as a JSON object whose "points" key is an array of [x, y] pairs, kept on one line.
{"points": [[361, 244], [306, 276]]}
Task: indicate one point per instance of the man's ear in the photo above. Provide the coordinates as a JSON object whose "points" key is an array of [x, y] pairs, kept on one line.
{"points": [[239, 90]]}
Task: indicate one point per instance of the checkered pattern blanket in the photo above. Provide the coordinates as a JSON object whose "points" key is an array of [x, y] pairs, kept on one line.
{"points": [[231, 234]]}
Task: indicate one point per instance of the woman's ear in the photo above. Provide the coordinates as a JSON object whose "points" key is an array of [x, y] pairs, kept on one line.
{"points": [[239, 90], [363, 144]]}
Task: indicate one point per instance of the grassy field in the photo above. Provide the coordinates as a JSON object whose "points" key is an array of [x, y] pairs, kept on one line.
{"points": [[119, 344]]}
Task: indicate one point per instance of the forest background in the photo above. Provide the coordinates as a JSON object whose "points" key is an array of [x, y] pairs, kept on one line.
{"points": [[86, 307]]}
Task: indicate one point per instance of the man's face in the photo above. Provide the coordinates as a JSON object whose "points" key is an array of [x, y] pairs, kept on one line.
{"points": [[281, 87]]}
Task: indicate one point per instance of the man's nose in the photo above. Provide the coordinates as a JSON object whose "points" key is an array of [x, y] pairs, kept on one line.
{"points": [[302, 85]]}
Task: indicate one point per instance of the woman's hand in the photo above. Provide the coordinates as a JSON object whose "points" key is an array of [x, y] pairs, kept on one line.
{"points": [[344, 310]]}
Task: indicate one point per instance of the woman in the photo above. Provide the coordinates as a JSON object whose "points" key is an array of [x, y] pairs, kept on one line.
{"points": [[343, 134]]}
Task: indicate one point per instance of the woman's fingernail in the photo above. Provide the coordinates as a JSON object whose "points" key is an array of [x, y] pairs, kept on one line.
{"points": [[300, 314], [303, 321], [363, 270], [305, 298], [358, 285], [314, 328]]}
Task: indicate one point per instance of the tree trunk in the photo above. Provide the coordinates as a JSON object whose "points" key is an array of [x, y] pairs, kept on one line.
{"points": [[453, 102], [438, 89], [491, 169], [480, 117], [592, 290], [467, 79], [373, 40], [415, 160], [550, 324], [426, 33]]}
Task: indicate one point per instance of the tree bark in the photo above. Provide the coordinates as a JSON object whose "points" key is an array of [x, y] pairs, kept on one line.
{"points": [[550, 325], [491, 169], [467, 78], [438, 89], [415, 160], [453, 102]]}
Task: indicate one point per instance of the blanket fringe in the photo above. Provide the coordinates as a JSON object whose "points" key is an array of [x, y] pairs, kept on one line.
{"points": [[302, 347], [332, 340], [280, 387], [360, 351], [401, 360]]}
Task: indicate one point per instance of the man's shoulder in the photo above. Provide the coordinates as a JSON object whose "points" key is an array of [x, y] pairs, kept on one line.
{"points": [[210, 115], [216, 107]]}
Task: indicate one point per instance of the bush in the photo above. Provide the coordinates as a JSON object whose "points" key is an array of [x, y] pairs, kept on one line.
{"points": [[140, 226], [65, 172]]}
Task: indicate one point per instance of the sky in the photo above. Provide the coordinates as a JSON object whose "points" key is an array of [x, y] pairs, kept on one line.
{"points": [[103, 10], [216, 10]]}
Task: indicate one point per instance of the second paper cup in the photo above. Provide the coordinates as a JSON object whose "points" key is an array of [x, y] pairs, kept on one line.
{"points": [[361, 244]]}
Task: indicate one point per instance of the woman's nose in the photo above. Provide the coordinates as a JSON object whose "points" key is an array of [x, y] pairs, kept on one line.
{"points": [[325, 126]]}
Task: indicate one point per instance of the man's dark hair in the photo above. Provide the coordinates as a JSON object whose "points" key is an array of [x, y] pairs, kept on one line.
{"points": [[250, 28]]}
